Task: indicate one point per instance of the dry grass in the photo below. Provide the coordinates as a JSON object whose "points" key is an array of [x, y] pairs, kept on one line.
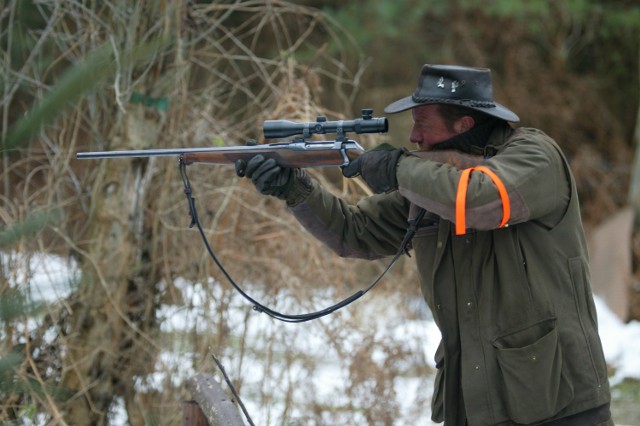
{"points": [[230, 67]]}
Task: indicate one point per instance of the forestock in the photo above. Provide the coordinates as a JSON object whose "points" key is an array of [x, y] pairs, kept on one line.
{"points": [[315, 154]]}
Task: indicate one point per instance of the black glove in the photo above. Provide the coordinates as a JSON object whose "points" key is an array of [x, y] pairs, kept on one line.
{"points": [[377, 167], [268, 177], [292, 185]]}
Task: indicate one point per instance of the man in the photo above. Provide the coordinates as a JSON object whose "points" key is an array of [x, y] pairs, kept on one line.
{"points": [[501, 252]]}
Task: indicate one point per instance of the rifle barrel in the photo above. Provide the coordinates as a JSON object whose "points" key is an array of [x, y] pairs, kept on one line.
{"points": [[168, 152]]}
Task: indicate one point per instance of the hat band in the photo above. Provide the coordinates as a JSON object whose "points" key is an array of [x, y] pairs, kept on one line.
{"points": [[464, 102]]}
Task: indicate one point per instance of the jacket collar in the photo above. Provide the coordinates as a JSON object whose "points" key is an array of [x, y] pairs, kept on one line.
{"points": [[482, 139], [499, 136]]}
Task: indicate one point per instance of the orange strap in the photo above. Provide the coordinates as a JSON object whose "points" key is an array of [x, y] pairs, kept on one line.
{"points": [[461, 198]]}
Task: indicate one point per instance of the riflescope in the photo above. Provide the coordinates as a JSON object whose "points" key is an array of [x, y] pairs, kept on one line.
{"points": [[366, 124]]}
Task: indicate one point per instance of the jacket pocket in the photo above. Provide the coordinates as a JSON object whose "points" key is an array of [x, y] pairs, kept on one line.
{"points": [[530, 361]]}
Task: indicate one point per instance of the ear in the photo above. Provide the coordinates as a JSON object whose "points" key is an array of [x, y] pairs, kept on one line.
{"points": [[464, 124]]}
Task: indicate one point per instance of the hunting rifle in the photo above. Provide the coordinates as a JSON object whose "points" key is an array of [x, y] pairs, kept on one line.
{"points": [[298, 153]]}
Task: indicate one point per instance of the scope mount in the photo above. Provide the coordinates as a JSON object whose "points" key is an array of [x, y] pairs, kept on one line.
{"points": [[341, 135]]}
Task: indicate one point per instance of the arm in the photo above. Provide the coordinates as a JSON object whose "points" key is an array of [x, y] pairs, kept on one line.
{"points": [[371, 229], [457, 159], [529, 166]]}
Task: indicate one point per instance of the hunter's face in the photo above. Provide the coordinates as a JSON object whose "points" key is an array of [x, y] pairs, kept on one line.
{"points": [[429, 128]]}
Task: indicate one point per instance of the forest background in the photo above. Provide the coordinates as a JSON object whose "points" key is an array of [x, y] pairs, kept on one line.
{"points": [[92, 75]]}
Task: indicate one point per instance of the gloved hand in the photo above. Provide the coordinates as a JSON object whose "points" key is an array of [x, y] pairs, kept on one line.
{"points": [[270, 178], [377, 167]]}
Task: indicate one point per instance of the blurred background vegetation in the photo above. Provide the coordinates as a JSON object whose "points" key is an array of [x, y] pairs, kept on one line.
{"points": [[90, 75]]}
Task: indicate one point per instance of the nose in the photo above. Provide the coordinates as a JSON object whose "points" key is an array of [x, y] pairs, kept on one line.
{"points": [[415, 136]]}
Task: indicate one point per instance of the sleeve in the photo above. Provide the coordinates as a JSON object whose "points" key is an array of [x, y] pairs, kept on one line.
{"points": [[526, 178], [371, 229]]}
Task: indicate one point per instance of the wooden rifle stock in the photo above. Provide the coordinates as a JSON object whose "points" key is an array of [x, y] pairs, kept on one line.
{"points": [[284, 157]]}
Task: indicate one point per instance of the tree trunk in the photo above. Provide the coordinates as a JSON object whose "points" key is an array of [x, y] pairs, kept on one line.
{"points": [[111, 329], [634, 191]]}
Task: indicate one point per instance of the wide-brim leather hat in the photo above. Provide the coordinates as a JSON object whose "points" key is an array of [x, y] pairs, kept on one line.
{"points": [[452, 84]]}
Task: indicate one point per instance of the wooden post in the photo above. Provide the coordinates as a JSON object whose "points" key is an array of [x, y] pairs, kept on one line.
{"points": [[192, 414], [634, 187], [214, 404]]}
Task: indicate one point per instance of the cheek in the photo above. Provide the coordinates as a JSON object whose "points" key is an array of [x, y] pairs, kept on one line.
{"points": [[440, 135], [416, 134]]}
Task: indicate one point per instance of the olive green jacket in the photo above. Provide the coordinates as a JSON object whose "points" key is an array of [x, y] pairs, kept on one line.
{"points": [[520, 342]]}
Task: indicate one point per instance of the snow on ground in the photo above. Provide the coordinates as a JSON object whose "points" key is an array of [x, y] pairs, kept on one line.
{"points": [[49, 278], [42, 277], [621, 343]]}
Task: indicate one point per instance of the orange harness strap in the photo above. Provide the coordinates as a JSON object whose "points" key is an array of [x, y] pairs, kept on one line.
{"points": [[461, 198]]}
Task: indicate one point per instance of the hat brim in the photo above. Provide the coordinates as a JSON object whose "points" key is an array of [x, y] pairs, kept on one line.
{"points": [[499, 111]]}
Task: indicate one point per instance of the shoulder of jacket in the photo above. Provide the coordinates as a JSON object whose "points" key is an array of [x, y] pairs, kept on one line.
{"points": [[527, 139], [530, 134], [504, 136]]}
